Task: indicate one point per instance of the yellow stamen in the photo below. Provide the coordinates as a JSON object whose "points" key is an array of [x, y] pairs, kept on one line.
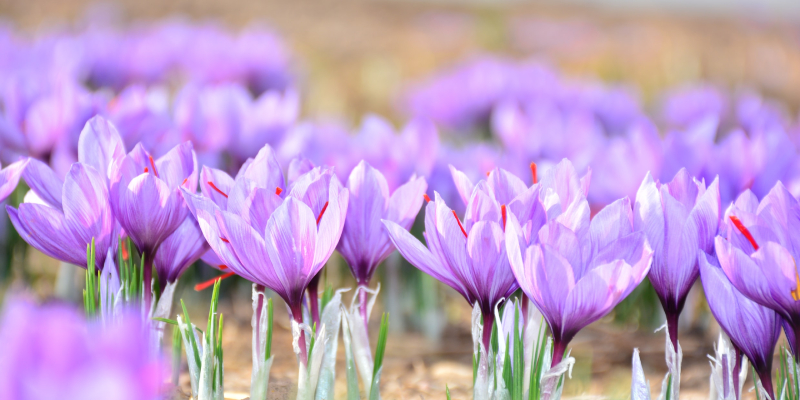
{"points": [[796, 292]]}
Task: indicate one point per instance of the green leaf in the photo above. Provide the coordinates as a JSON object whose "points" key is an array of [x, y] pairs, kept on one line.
{"points": [[166, 320], [268, 351], [380, 350], [447, 391], [190, 334], [327, 295]]}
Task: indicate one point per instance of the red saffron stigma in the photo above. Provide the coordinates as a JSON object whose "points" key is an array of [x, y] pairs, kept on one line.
{"points": [[425, 196], [153, 164], [325, 207], [533, 173], [223, 267], [459, 224], [224, 240], [213, 186], [278, 191], [488, 173], [184, 181], [211, 282], [146, 170], [740, 226], [125, 252], [503, 212]]}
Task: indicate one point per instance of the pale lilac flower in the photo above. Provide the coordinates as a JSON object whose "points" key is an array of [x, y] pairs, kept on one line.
{"points": [[679, 219], [52, 352]]}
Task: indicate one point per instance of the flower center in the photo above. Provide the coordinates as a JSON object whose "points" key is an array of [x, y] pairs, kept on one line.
{"points": [[459, 224], [322, 212], [533, 173], [740, 226], [213, 186]]}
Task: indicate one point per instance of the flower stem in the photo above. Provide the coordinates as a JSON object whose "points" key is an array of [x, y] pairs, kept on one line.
{"points": [[559, 348], [362, 305], [313, 297], [672, 328], [259, 308], [766, 381], [297, 314], [488, 321], [147, 275]]}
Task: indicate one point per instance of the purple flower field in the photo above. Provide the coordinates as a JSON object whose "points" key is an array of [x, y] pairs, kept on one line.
{"points": [[432, 201]]}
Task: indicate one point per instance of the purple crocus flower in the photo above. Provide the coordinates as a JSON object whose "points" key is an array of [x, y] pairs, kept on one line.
{"points": [[180, 250], [759, 253], [299, 235], [576, 271], [679, 219], [9, 177], [470, 257], [60, 218], [365, 243], [753, 329], [146, 198], [52, 352]]}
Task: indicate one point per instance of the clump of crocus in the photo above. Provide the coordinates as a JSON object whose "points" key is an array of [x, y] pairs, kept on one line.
{"points": [[753, 329], [679, 219], [60, 218], [470, 257], [146, 198], [52, 352], [286, 248], [758, 255], [576, 271]]}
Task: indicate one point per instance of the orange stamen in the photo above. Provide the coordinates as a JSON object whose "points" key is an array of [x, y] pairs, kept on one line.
{"points": [[224, 240], [425, 196], [533, 173], [503, 213], [796, 292], [153, 164], [211, 282], [213, 186], [740, 226], [325, 207], [278, 191], [459, 224]]}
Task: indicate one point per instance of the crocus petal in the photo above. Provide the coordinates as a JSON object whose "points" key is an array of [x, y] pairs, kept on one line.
{"points": [[648, 214], [99, 144], [749, 278], [221, 181], [505, 185], [44, 228], [178, 167], [463, 185], [595, 295], [9, 177], [87, 212], [149, 211], [331, 224], [291, 239], [611, 223], [180, 250], [44, 182], [419, 256], [265, 170]]}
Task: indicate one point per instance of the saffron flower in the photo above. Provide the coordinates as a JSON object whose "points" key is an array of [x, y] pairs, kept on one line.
{"points": [[753, 329], [759, 253], [52, 352], [285, 250], [470, 257], [60, 218], [9, 177], [679, 219], [576, 270], [146, 198], [365, 243]]}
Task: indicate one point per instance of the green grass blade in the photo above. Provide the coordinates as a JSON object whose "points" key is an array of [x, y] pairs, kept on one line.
{"points": [[447, 391], [268, 351], [166, 320], [189, 333], [380, 349]]}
